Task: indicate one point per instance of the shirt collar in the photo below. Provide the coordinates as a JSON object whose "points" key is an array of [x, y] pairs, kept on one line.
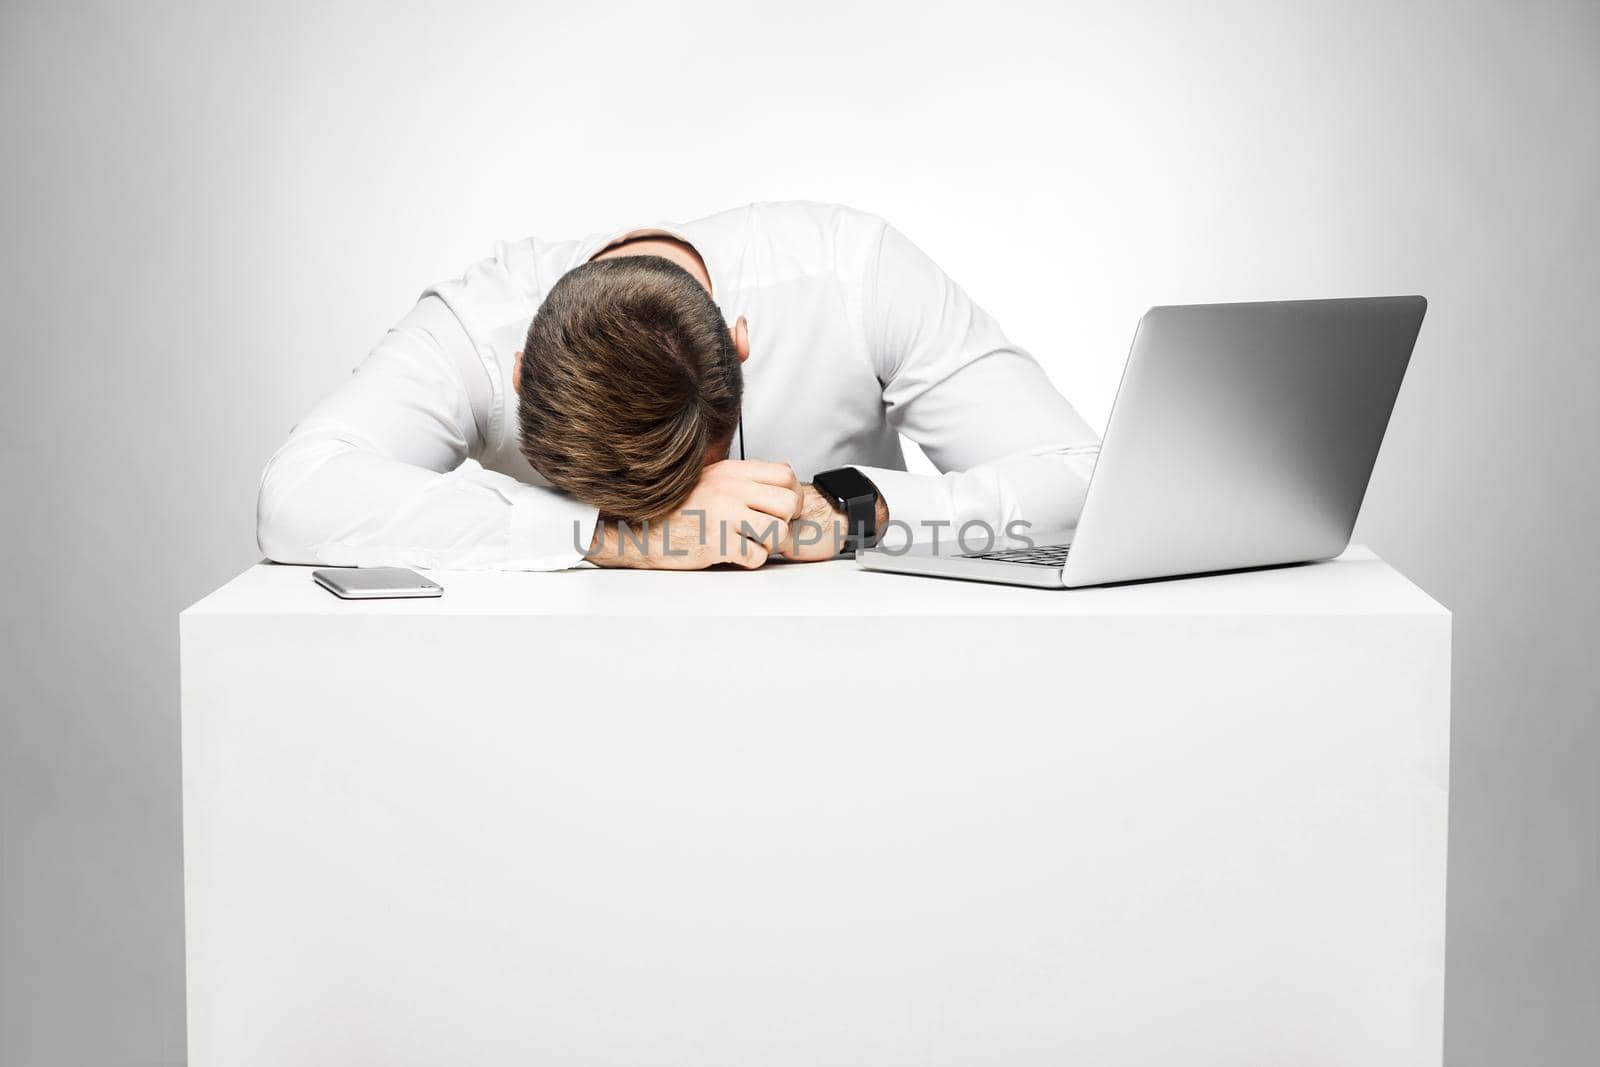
{"points": [[594, 244]]}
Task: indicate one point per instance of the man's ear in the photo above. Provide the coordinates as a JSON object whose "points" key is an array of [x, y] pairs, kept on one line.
{"points": [[741, 338], [516, 375]]}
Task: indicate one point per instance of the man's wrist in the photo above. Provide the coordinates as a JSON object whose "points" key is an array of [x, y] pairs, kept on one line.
{"points": [[605, 546], [819, 510]]}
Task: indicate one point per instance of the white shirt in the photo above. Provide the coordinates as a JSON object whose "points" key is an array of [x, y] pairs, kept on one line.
{"points": [[856, 337]]}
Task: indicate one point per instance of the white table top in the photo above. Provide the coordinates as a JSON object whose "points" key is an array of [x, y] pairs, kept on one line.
{"points": [[1357, 583]]}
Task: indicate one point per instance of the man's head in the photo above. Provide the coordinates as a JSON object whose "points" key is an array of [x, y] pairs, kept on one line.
{"points": [[629, 383]]}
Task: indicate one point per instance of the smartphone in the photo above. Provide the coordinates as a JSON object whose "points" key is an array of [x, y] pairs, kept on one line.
{"points": [[375, 583]]}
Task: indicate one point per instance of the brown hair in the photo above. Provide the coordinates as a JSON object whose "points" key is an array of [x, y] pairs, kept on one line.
{"points": [[629, 377]]}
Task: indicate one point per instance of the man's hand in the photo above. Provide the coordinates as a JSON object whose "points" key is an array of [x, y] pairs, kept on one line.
{"points": [[740, 512], [819, 532]]}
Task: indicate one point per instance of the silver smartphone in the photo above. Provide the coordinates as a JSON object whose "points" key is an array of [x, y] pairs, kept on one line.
{"points": [[375, 583]]}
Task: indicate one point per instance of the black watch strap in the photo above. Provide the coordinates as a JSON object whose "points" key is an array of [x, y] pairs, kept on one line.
{"points": [[853, 495]]}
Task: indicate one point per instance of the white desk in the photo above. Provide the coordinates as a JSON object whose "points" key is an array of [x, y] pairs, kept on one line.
{"points": [[817, 816]]}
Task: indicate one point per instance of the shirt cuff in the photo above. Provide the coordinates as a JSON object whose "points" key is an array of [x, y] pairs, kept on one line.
{"points": [[919, 505], [550, 531]]}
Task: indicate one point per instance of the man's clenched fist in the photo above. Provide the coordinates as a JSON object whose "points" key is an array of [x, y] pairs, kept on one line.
{"points": [[739, 512]]}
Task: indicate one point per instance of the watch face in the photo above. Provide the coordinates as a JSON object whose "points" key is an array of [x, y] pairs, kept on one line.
{"points": [[844, 484]]}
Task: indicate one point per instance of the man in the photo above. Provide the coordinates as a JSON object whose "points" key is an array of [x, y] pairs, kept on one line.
{"points": [[605, 430]]}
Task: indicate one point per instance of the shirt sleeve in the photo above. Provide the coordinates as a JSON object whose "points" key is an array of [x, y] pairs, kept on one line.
{"points": [[1011, 446], [380, 474]]}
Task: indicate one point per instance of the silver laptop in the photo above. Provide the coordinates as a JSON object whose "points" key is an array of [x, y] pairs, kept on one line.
{"points": [[1243, 435]]}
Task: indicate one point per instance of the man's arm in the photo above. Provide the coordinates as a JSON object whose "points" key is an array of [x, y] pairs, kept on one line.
{"points": [[375, 476], [981, 409]]}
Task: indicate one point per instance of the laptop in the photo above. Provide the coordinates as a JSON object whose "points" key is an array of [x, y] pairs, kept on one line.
{"points": [[1242, 435]]}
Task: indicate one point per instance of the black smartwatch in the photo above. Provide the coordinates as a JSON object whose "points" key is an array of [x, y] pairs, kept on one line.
{"points": [[853, 495]]}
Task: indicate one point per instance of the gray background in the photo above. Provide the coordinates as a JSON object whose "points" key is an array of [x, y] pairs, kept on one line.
{"points": [[211, 213]]}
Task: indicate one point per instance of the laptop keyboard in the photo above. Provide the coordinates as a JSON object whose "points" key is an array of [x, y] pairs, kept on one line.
{"points": [[1038, 556]]}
